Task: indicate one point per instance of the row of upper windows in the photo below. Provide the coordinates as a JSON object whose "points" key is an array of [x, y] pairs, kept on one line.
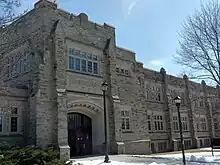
{"points": [[153, 88], [82, 62], [80, 54], [159, 122], [122, 71]]}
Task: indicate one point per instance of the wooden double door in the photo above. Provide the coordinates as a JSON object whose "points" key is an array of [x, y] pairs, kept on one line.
{"points": [[79, 134]]}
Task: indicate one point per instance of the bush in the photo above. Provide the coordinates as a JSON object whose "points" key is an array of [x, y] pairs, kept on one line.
{"points": [[4, 146], [31, 156]]}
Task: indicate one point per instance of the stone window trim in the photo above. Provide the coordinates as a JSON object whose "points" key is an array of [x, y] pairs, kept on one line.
{"points": [[153, 93], [88, 74], [187, 144], [184, 121], [126, 121], [1, 120], [149, 122], [8, 116], [216, 123], [175, 123], [203, 124], [14, 123], [83, 62], [158, 122], [162, 146]]}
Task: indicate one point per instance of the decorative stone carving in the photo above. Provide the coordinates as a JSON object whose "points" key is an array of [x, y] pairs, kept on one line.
{"points": [[93, 108]]}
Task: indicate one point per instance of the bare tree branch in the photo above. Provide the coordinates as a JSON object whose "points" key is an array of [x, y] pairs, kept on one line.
{"points": [[199, 45], [8, 11]]}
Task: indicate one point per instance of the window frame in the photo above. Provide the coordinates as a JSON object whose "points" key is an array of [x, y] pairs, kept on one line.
{"points": [[125, 119], [159, 123], [92, 59], [2, 121], [14, 115]]}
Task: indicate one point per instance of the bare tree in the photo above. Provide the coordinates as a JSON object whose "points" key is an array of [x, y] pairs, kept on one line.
{"points": [[7, 11], [199, 51]]}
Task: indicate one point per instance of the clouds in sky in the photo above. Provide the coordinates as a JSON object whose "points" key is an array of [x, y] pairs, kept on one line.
{"points": [[156, 62], [129, 5]]}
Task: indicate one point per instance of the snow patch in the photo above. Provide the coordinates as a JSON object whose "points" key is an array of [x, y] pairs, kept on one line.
{"points": [[99, 162], [201, 157]]}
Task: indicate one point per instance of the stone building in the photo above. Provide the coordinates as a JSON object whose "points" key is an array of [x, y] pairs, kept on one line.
{"points": [[52, 66]]}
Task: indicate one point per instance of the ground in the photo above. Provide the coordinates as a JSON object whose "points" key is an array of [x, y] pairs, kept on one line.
{"points": [[193, 157]]}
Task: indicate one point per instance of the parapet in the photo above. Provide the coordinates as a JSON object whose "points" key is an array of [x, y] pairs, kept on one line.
{"points": [[45, 3], [125, 54]]}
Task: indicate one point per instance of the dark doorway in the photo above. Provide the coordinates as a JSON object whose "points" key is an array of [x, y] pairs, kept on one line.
{"points": [[79, 134]]}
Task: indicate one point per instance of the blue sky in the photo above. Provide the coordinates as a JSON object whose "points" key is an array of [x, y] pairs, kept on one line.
{"points": [[147, 27]]}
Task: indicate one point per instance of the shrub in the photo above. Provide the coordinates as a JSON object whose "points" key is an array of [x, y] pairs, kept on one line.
{"points": [[31, 156]]}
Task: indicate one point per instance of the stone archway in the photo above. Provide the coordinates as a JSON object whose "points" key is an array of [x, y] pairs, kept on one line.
{"points": [[95, 113]]}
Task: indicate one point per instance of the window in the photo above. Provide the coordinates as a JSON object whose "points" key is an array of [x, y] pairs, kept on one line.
{"points": [[83, 65], [158, 123], [14, 111], [149, 122], [126, 72], [197, 125], [179, 145], [14, 124], [207, 142], [125, 123], [184, 123], [1, 120], [89, 66], [215, 121], [158, 97], [95, 67], [162, 146], [201, 104], [122, 71], [71, 63], [14, 119], [203, 124], [77, 66], [153, 92], [175, 123], [83, 62], [187, 144], [201, 144]]}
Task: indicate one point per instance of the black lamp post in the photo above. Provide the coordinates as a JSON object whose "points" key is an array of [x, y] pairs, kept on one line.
{"points": [[177, 100], [104, 89]]}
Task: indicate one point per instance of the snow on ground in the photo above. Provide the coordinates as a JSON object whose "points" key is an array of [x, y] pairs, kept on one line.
{"points": [[209, 149], [202, 157], [99, 162]]}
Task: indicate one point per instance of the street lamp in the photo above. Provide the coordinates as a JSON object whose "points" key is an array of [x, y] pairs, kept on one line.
{"points": [[104, 89], [177, 100]]}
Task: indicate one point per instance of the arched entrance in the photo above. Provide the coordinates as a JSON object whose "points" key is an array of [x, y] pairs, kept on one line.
{"points": [[79, 134]]}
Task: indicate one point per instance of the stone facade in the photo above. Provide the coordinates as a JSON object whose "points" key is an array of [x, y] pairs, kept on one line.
{"points": [[37, 57]]}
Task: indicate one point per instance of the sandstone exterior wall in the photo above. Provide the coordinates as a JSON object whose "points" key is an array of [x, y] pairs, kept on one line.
{"points": [[54, 90]]}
